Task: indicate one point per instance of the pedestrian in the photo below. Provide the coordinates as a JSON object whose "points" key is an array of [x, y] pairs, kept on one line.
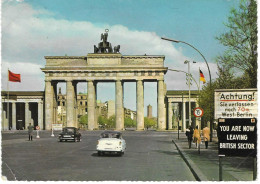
{"points": [[189, 134], [30, 131], [206, 134], [196, 136]]}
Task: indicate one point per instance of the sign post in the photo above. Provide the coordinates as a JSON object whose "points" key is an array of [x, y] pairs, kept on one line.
{"points": [[37, 131], [198, 113]]}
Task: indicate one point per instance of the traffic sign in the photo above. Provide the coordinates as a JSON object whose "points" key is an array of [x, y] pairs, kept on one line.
{"points": [[198, 112]]}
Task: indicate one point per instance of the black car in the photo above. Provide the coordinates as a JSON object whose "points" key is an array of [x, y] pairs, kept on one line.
{"points": [[70, 133]]}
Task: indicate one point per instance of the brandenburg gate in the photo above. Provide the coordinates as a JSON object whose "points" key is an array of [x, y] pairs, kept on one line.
{"points": [[106, 64]]}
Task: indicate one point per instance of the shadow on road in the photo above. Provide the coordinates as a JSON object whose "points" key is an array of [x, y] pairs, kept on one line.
{"points": [[106, 155]]}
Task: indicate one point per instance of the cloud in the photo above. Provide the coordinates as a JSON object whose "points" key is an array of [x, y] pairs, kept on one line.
{"points": [[29, 34]]}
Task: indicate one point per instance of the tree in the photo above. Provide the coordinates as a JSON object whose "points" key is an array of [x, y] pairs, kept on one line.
{"points": [[149, 122], [112, 121], [241, 43], [129, 122], [237, 66], [102, 121], [83, 120]]}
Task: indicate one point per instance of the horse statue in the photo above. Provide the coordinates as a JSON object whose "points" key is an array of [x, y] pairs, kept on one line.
{"points": [[116, 49], [105, 46]]}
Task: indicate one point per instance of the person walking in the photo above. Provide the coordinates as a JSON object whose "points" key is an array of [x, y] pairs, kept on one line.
{"points": [[189, 134], [30, 131], [196, 136], [206, 135]]}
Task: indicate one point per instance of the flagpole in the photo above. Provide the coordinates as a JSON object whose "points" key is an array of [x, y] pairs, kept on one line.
{"points": [[8, 98], [199, 85]]}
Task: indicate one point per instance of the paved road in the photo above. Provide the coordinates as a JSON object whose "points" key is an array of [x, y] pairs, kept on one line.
{"points": [[150, 156]]}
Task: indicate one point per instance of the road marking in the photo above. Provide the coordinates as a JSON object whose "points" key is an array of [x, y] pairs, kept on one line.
{"points": [[11, 171]]}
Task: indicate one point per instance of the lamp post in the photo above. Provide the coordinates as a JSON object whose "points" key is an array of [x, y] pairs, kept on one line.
{"points": [[178, 41], [188, 62]]}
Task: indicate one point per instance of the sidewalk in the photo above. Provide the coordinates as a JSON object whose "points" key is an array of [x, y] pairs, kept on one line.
{"points": [[205, 165]]}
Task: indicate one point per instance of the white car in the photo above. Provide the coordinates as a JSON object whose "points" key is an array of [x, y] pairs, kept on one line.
{"points": [[111, 142]]}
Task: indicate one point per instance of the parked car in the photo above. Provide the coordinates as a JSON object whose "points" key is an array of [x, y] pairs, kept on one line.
{"points": [[70, 133], [111, 142]]}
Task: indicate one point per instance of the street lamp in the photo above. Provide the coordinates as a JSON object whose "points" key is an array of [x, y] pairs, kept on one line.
{"points": [[178, 41], [188, 62]]}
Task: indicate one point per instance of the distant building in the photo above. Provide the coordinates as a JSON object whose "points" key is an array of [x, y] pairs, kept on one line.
{"points": [[130, 114], [149, 111], [110, 108]]}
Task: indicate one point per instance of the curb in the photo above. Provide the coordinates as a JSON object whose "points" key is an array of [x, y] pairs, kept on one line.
{"points": [[199, 176]]}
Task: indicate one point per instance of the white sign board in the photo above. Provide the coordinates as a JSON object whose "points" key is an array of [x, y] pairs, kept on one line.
{"points": [[57, 126], [240, 103]]}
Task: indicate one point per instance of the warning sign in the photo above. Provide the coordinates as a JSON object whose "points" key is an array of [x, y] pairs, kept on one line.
{"points": [[237, 137], [240, 103]]}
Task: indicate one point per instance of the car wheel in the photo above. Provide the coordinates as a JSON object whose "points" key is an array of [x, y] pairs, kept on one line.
{"points": [[60, 140], [99, 153]]}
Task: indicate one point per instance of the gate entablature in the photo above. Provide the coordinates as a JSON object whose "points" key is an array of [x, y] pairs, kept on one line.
{"points": [[104, 67]]}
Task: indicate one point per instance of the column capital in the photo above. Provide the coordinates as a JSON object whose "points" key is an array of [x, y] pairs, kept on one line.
{"points": [[69, 80], [139, 79], [47, 80]]}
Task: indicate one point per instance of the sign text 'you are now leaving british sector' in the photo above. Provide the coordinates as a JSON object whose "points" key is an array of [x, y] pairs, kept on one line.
{"points": [[240, 103]]}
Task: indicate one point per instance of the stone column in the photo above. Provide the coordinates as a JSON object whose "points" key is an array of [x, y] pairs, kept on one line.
{"points": [[40, 115], [75, 104], [161, 123], [70, 103], [13, 116], [48, 105], [140, 105], [91, 105], [95, 105], [4, 118], [183, 116], [119, 106], [170, 113], [55, 103], [27, 115]]}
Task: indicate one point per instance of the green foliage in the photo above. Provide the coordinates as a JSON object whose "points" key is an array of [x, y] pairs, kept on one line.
{"points": [[112, 121], [83, 120], [129, 122], [206, 101], [149, 122], [102, 121], [240, 56]]}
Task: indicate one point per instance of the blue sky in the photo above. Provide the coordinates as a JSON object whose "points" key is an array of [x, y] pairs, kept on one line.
{"points": [[32, 29]]}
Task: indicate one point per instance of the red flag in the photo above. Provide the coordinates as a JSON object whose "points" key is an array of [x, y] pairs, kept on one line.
{"points": [[202, 78], [12, 77]]}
